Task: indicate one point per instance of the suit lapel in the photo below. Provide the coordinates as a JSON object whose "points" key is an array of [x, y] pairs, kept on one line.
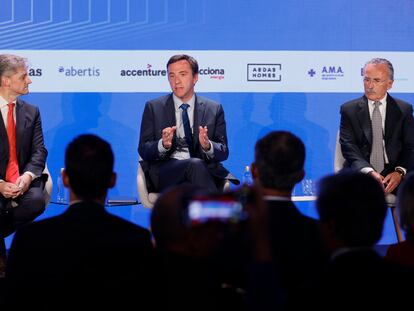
{"points": [[169, 119], [4, 148], [3, 131], [199, 111], [364, 119], [20, 120], [169, 111], [392, 115]]}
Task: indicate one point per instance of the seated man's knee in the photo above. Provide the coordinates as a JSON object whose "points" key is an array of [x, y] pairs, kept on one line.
{"points": [[196, 163], [36, 203], [198, 174], [39, 205]]}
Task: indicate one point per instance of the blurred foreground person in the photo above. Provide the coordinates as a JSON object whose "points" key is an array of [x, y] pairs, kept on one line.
{"points": [[85, 256], [296, 241], [352, 210], [403, 252], [188, 266]]}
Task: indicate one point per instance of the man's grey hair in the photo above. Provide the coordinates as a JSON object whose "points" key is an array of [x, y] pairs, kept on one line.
{"points": [[9, 64], [377, 61]]}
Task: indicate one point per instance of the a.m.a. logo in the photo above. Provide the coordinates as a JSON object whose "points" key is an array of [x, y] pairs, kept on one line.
{"points": [[332, 72], [332, 69], [35, 72]]}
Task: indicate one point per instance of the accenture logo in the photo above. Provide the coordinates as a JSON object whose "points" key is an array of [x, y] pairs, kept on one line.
{"points": [[214, 73], [80, 72], [264, 72], [147, 72]]}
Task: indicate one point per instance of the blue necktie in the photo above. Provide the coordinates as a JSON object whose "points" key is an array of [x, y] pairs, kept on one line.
{"points": [[187, 128]]}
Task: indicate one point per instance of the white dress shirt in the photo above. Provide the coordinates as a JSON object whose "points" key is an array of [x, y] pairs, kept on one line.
{"points": [[182, 154], [382, 108]]}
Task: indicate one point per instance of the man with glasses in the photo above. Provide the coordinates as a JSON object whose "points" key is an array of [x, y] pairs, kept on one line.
{"points": [[377, 130]]}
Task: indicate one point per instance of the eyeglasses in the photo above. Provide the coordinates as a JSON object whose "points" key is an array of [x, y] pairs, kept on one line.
{"points": [[374, 81]]}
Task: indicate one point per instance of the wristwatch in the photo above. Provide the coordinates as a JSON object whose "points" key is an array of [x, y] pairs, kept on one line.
{"points": [[400, 171]]}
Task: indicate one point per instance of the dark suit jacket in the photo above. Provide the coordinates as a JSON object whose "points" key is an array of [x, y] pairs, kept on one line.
{"points": [[160, 113], [298, 249], [84, 254], [356, 134], [360, 279], [401, 253], [31, 151]]}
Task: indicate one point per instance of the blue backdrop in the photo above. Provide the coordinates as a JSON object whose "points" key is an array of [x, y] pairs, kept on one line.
{"points": [[266, 25]]}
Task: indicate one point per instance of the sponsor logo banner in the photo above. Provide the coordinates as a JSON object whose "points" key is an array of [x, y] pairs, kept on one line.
{"points": [[264, 72], [220, 71]]}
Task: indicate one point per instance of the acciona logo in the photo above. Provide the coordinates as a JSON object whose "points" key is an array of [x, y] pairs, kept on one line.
{"points": [[213, 73]]}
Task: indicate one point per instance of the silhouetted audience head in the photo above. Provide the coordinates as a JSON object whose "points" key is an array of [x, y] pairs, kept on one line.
{"points": [[172, 229], [89, 163], [190, 269], [352, 209], [279, 160], [167, 222], [405, 203]]}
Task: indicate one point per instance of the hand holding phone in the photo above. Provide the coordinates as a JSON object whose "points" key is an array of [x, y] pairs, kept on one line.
{"points": [[224, 208]]}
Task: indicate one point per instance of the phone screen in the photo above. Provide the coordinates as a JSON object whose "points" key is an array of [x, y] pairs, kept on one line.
{"points": [[203, 210]]}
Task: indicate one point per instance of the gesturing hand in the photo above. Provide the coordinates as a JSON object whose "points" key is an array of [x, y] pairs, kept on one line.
{"points": [[167, 136], [203, 138]]}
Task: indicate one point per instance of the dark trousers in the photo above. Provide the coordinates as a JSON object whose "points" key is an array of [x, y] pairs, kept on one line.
{"points": [[29, 205], [194, 171]]}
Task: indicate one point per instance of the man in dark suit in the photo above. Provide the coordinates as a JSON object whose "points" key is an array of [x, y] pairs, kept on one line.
{"points": [[295, 239], [396, 129], [183, 136], [22, 150], [85, 255], [352, 209]]}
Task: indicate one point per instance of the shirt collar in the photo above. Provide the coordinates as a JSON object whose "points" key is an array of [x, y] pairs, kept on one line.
{"points": [[73, 202], [276, 198], [178, 102], [383, 101], [4, 102], [345, 249]]}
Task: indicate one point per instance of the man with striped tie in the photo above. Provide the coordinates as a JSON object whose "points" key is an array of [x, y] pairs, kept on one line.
{"points": [[377, 130]]}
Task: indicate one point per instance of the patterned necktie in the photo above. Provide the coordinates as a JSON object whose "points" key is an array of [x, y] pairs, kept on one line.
{"points": [[12, 170], [187, 128], [377, 150]]}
